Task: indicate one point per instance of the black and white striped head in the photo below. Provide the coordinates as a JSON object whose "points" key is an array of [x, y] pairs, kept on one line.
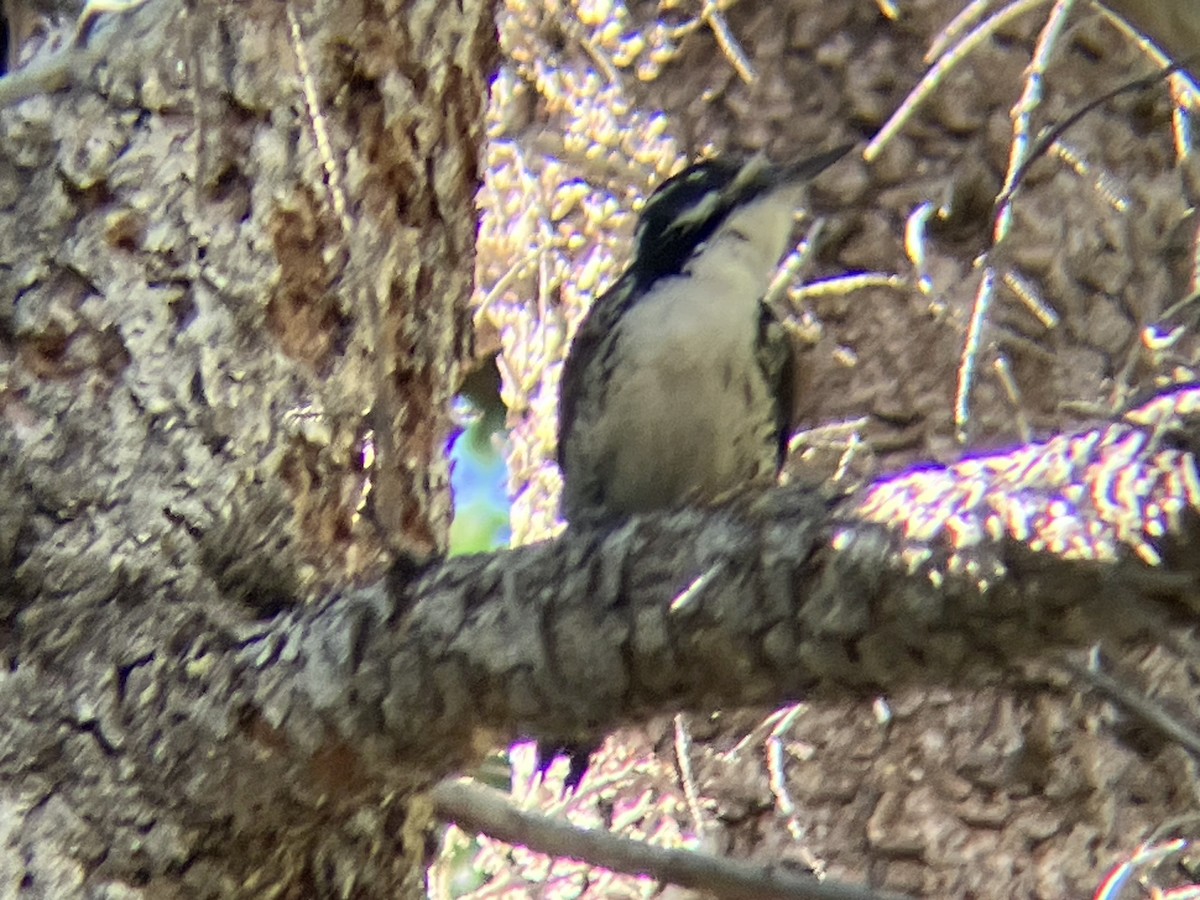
{"points": [[688, 208]]}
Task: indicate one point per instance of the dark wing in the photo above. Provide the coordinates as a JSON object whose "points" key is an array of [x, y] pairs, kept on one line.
{"points": [[587, 367], [777, 360]]}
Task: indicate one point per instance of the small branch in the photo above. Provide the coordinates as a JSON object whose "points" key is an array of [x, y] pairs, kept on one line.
{"points": [[482, 810], [1172, 24], [1140, 706], [687, 778], [968, 362], [1022, 113]]}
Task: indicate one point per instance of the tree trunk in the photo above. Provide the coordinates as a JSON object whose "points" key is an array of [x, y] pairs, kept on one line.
{"points": [[234, 263]]}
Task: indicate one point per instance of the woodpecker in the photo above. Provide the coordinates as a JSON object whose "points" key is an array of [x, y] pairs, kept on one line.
{"points": [[678, 385]]}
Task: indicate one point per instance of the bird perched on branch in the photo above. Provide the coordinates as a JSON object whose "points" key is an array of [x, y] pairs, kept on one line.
{"points": [[678, 386]]}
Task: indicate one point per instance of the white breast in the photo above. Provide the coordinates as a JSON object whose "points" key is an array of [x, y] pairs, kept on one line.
{"points": [[687, 415]]}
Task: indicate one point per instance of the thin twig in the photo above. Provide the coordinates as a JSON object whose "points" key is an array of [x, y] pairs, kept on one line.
{"points": [[479, 809], [950, 34], [916, 241], [93, 10], [712, 16], [1139, 705], [683, 758], [312, 105], [1019, 158], [1012, 391], [698, 584], [777, 776], [1022, 113], [792, 269], [1184, 91], [1052, 135], [969, 360], [941, 68], [841, 285]]}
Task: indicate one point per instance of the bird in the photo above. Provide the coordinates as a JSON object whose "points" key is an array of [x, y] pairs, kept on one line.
{"points": [[678, 386]]}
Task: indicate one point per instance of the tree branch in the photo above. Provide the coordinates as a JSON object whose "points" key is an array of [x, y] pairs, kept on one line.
{"points": [[943, 576]]}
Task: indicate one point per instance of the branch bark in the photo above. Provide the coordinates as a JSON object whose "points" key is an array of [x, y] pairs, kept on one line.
{"points": [[772, 598], [377, 692]]}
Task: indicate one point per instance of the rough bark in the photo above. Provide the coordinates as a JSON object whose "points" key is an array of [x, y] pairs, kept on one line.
{"points": [[243, 227]]}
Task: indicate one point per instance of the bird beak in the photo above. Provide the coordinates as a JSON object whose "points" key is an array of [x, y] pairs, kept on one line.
{"points": [[789, 174], [810, 168]]}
